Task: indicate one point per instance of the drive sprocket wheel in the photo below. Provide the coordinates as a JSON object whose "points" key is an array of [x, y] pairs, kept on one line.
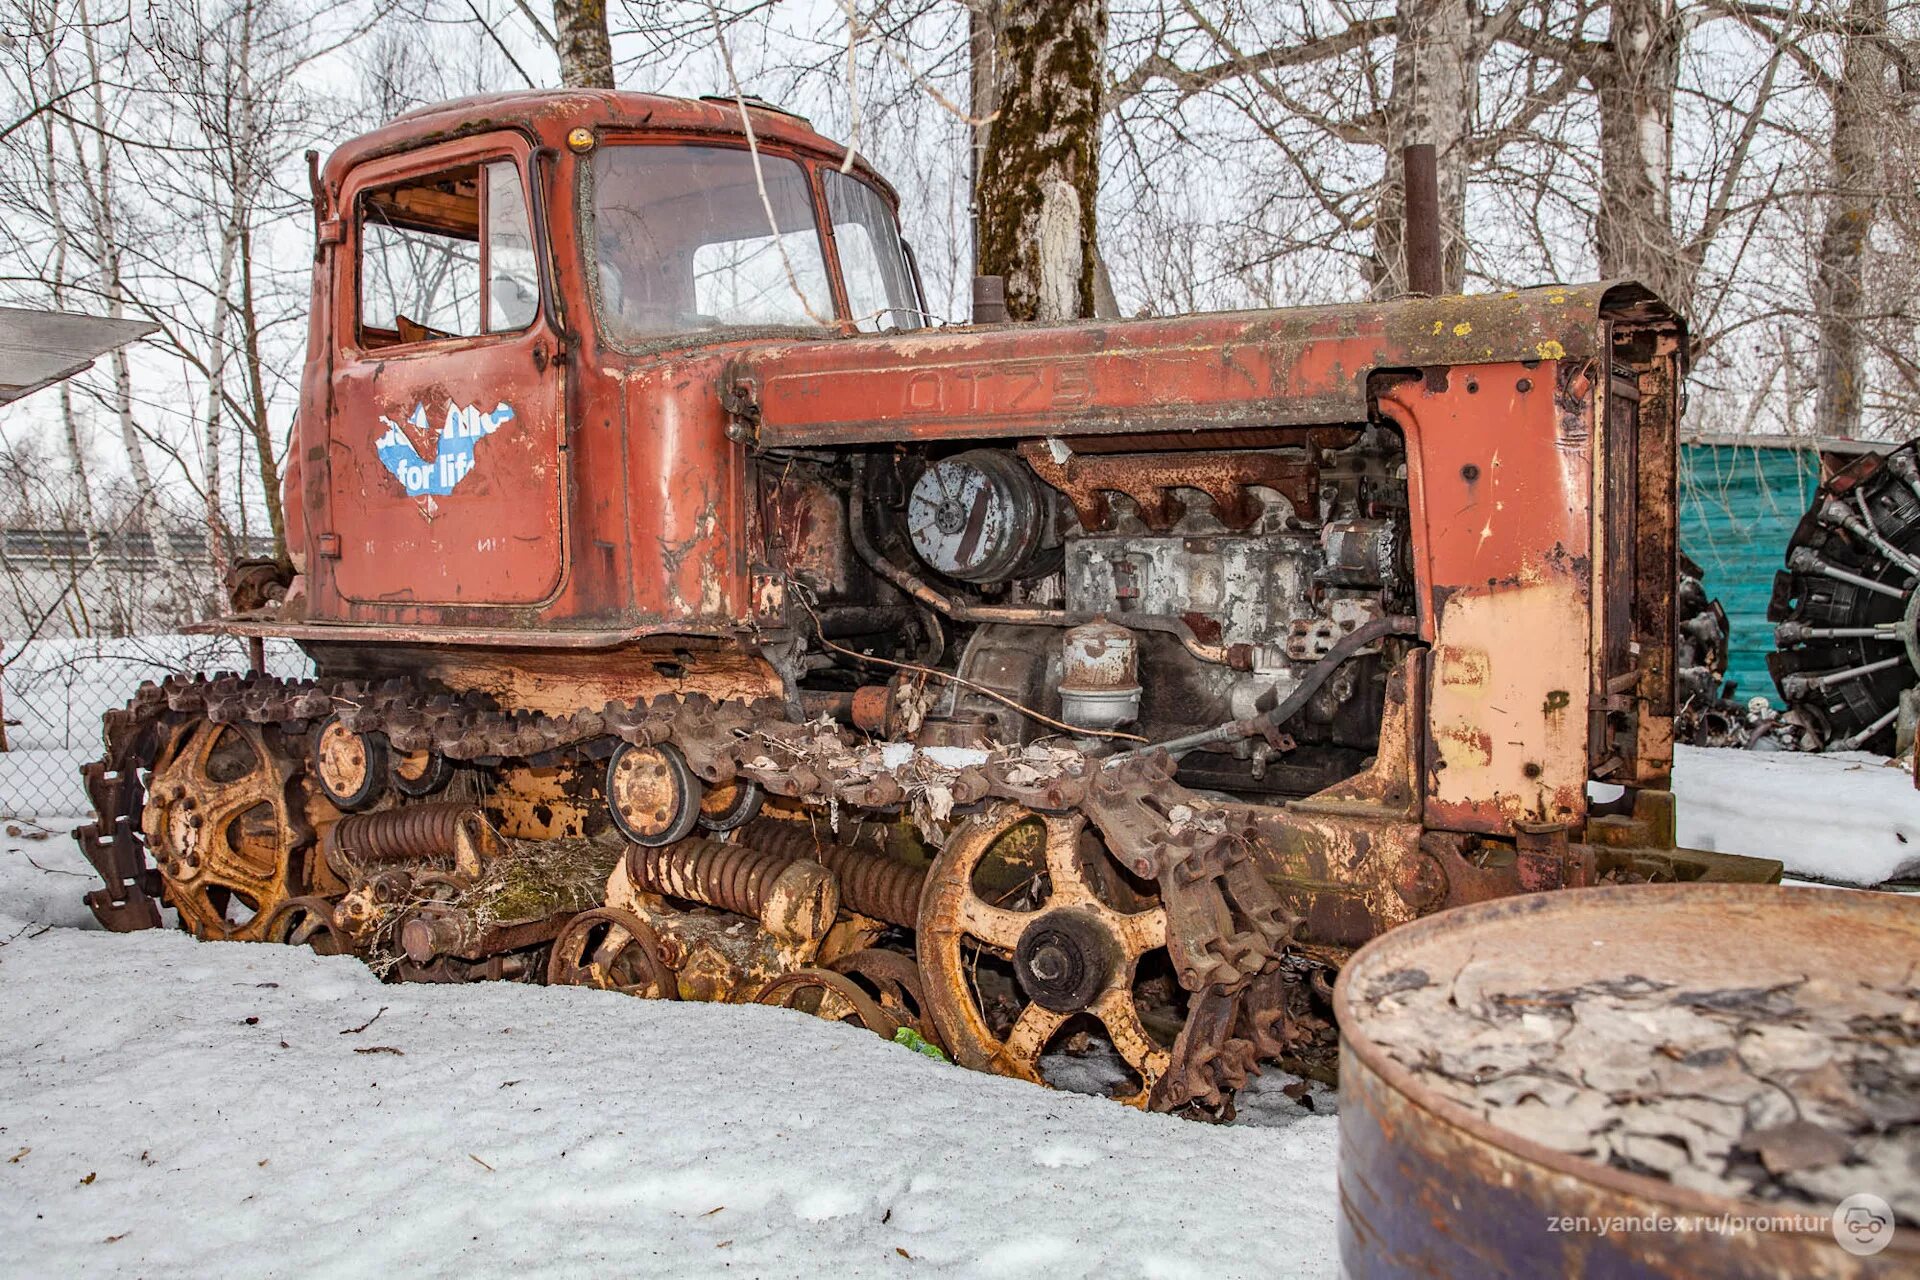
{"points": [[223, 822], [610, 949], [1076, 953]]}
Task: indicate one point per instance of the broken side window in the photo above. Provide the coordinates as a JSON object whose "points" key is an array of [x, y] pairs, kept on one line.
{"points": [[426, 270]]}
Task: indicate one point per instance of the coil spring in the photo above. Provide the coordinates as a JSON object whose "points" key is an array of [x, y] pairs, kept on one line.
{"points": [[411, 833], [732, 877], [871, 883]]}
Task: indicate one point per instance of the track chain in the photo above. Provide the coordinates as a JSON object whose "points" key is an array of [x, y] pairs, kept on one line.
{"points": [[1227, 927]]}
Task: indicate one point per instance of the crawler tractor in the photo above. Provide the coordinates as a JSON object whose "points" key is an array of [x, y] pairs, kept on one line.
{"points": [[692, 616]]}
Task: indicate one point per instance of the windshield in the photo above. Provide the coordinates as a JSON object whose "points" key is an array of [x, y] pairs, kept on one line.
{"points": [[879, 284], [683, 242]]}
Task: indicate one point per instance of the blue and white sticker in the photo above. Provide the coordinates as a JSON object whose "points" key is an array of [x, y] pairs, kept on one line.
{"points": [[463, 428]]}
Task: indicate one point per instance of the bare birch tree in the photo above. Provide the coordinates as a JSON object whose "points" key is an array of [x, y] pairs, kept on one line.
{"points": [[1038, 194], [1435, 99], [585, 47]]}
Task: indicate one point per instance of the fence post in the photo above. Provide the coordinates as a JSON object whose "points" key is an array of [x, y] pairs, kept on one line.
{"points": [[3, 693]]}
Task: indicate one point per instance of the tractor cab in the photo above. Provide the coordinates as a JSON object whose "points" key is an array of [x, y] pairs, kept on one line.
{"points": [[686, 238], [511, 415]]}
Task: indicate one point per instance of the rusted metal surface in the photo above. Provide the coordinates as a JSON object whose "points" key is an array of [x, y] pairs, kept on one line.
{"points": [[719, 955], [869, 707], [1427, 1188], [1150, 479], [871, 883], [433, 932], [415, 833], [793, 899], [1099, 675], [831, 996], [349, 766], [989, 300], [129, 898], [1420, 211], [893, 980], [611, 950], [221, 823], [651, 793], [1307, 366], [1087, 955], [306, 922], [548, 564]]}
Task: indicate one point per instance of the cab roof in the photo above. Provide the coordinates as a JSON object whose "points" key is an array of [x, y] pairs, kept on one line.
{"points": [[549, 114]]}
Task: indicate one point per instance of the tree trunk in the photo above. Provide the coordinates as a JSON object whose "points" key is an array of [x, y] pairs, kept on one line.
{"points": [[1635, 83], [984, 18], [240, 177], [1435, 95], [1839, 295], [1040, 174], [107, 250], [81, 498], [585, 48], [258, 425]]}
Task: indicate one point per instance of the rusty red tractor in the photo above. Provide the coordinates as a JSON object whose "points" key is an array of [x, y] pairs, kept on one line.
{"points": [[694, 617]]}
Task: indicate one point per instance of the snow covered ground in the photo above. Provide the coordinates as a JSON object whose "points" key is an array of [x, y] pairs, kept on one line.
{"points": [[171, 1107], [1847, 817]]}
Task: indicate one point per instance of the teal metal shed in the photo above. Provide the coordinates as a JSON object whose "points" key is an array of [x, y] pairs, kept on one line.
{"points": [[1740, 498]]}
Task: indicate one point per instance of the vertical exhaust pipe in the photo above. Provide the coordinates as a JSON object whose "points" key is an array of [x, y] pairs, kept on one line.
{"points": [[990, 300], [1420, 180]]}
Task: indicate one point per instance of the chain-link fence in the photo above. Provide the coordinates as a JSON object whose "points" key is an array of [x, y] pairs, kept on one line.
{"points": [[54, 692]]}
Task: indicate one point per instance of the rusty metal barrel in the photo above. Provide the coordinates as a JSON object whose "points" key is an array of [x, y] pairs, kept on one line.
{"points": [[1437, 1178]]}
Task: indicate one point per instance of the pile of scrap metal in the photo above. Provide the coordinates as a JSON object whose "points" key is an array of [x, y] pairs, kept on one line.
{"points": [[1024, 688], [1704, 714]]}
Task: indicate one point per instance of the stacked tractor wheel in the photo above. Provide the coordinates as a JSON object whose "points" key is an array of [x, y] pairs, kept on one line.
{"points": [[1845, 606]]}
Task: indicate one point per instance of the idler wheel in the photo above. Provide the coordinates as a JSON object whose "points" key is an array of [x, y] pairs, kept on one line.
{"points": [[349, 767], [1075, 955], [611, 950], [420, 773], [731, 804], [652, 795]]}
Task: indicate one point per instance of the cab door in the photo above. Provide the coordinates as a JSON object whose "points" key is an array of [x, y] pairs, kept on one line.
{"points": [[447, 428]]}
